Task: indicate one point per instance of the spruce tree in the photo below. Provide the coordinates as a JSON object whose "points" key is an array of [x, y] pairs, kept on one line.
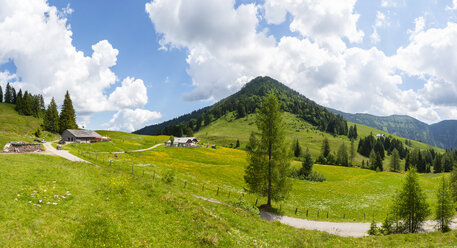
{"points": [[19, 104], [307, 165], [410, 206], [297, 148], [8, 93], [1, 94], [51, 118], [325, 149], [14, 96], [268, 157], [395, 161], [378, 162], [26, 104], [444, 206], [67, 119]]}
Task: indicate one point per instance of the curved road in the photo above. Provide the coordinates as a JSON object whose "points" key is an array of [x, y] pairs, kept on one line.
{"points": [[63, 153]]}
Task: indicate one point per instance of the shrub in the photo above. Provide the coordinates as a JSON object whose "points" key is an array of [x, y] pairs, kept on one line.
{"points": [[374, 230], [169, 176]]}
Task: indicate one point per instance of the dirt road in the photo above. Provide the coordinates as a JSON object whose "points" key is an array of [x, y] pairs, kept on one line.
{"points": [[62, 153]]}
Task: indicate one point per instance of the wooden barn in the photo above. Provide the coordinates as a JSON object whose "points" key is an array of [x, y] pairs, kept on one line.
{"points": [[79, 136]]}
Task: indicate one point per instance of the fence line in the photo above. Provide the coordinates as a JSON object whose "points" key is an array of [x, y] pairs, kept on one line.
{"points": [[207, 190]]}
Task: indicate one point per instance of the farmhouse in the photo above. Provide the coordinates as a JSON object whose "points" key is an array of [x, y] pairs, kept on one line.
{"points": [[380, 135], [22, 147], [182, 142], [81, 136]]}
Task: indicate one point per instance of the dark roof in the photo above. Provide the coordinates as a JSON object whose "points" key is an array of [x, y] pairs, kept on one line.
{"points": [[83, 133]]}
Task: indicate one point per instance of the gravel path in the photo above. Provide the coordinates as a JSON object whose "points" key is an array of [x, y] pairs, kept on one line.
{"points": [[62, 153], [147, 149], [344, 229]]}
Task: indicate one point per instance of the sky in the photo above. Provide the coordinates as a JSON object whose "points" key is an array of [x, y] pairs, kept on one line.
{"points": [[128, 64]]}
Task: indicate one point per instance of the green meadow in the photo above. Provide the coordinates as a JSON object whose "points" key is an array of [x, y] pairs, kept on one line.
{"points": [[87, 206]]}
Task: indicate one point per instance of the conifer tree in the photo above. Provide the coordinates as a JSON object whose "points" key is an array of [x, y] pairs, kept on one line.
{"points": [[51, 118], [444, 206], [26, 104], [342, 155], [453, 183], [372, 160], [19, 105], [1, 94], [14, 96], [325, 149], [395, 161], [269, 158], [67, 119], [352, 152], [410, 206], [297, 148], [8, 94], [307, 165], [378, 162]]}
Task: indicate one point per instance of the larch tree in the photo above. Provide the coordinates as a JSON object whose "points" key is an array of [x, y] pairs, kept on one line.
{"points": [[67, 119], [268, 156], [444, 206], [342, 155], [410, 206], [395, 161], [51, 118]]}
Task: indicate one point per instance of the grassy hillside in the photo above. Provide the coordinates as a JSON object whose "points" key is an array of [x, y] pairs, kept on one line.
{"points": [[227, 129], [100, 207], [15, 127]]}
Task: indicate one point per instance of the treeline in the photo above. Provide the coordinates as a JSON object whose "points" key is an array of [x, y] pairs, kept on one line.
{"points": [[33, 105], [248, 100], [26, 103]]}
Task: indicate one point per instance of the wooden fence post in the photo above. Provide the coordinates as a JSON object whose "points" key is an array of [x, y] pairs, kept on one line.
{"points": [[229, 194], [306, 212], [217, 193], [344, 216], [185, 183], [327, 214], [296, 209], [203, 187]]}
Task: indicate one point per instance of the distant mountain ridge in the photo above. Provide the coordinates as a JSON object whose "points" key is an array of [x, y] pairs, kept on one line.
{"points": [[442, 134]]}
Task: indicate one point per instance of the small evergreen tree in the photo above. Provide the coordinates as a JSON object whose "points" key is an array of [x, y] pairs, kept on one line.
{"points": [[51, 118], [19, 105], [297, 148], [395, 161], [325, 149], [8, 94], [444, 206], [372, 160], [342, 155], [67, 119], [14, 96], [237, 143], [1, 94], [378, 162], [352, 153], [27, 104], [410, 206], [307, 165]]}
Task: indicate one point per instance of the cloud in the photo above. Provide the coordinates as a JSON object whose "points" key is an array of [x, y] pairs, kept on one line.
{"points": [[132, 93], [324, 21], [453, 6], [432, 55], [38, 39], [132, 119]]}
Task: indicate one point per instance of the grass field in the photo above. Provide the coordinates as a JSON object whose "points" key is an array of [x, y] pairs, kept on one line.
{"points": [[100, 207], [349, 194], [227, 130], [15, 127]]}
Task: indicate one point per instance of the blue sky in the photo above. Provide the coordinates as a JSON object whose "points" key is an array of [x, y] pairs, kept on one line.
{"points": [[128, 64]]}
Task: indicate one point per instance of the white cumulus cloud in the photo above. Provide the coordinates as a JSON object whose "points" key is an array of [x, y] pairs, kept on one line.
{"points": [[38, 39], [132, 119]]}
